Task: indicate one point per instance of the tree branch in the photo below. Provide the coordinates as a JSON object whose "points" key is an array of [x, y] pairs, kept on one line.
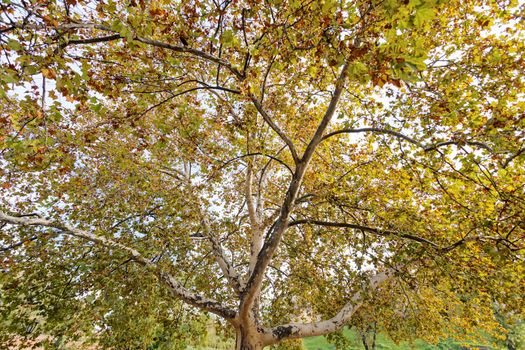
{"points": [[176, 287], [512, 157], [377, 130], [91, 40], [363, 228], [426, 148], [256, 240], [276, 232], [318, 136], [18, 244], [275, 127], [226, 267], [461, 142], [301, 330], [156, 43], [412, 237], [280, 161]]}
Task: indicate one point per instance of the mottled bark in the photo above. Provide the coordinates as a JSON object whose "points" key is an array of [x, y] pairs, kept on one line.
{"points": [[248, 338]]}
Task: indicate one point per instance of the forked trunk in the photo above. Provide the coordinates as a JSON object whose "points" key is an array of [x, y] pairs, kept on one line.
{"points": [[248, 339]]}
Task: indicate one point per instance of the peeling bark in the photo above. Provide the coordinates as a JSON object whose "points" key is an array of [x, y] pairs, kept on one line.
{"points": [[248, 338]]}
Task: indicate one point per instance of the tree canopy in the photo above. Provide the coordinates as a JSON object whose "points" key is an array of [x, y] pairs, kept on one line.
{"points": [[289, 166]]}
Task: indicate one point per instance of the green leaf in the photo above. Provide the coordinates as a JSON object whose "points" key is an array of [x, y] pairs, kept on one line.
{"points": [[14, 44], [423, 15], [227, 38]]}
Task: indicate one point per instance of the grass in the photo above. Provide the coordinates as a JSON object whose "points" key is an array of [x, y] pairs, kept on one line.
{"points": [[385, 343], [314, 343]]}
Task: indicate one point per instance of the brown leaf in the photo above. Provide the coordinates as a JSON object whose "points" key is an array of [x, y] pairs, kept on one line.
{"points": [[49, 73]]}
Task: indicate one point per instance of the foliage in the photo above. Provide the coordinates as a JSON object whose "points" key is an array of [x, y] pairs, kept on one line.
{"points": [[517, 336], [294, 344], [140, 317], [274, 163], [353, 342]]}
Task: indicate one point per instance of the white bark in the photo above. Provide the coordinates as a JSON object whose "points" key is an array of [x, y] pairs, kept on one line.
{"points": [[226, 267], [301, 330], [255, 222], [176, 287], [218, 253]]}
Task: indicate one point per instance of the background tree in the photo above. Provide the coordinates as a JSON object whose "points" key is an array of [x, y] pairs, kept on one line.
{"points": [[284, 165]]}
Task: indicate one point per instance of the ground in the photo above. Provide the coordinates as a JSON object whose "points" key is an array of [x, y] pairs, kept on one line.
{"points": [[382, 343]]}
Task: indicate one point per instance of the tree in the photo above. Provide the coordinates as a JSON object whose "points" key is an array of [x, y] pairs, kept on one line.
{"points": [[289, 166]]}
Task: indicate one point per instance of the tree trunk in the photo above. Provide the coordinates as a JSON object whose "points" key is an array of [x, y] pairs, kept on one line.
{"points": [[363, 339], [248, 339], [368, 337]]}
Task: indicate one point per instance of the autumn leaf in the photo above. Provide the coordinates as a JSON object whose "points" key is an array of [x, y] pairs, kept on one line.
{"points": [[49, 73], [302, 165]]}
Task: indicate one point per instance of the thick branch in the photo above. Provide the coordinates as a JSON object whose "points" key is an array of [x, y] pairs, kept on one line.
{"points": [[255, 222], [301, 330], [176, 287], [276, 232], [156, 43]]}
